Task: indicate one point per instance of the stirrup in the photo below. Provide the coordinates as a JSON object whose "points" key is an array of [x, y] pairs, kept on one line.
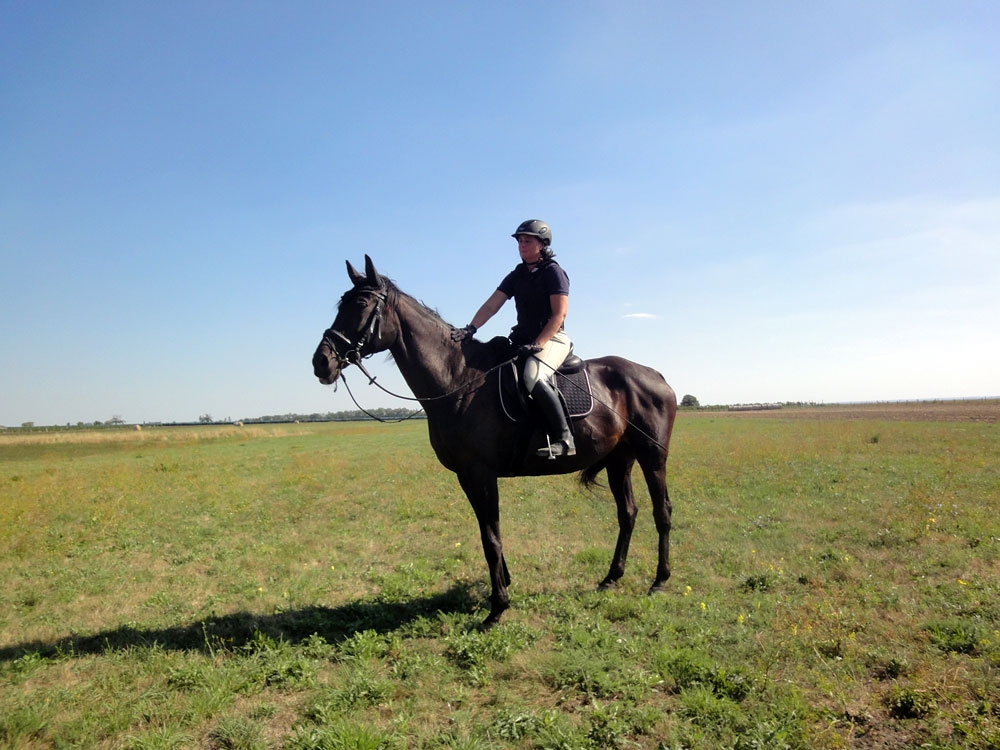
{"points": [[557, 449]]}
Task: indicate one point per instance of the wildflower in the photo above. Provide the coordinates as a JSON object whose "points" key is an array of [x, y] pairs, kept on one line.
{"points": [[741, 618], [962, 583], [687, 590], [703, 608]]}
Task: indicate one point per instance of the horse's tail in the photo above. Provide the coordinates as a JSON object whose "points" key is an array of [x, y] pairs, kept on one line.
{"points": [[588, 477]]}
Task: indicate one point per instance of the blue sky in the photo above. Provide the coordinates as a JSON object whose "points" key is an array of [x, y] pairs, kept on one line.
{"points": [[766, 201]]}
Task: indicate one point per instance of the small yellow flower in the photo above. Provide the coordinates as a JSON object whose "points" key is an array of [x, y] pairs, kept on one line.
{"points": [[458, 544], [687, 590], [741, 618], [703, 608], [962, 583]]}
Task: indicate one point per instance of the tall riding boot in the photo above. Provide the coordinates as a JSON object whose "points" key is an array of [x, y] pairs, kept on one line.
{"points": [[547, 398]]}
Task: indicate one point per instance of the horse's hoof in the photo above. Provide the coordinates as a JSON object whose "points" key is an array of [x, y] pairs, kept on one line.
{"points": [[491, 620], [657, 589], [607, 585], [488, 623]]}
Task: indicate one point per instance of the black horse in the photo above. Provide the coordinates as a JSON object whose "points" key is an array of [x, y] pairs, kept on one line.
{"points": [[632, 420]]}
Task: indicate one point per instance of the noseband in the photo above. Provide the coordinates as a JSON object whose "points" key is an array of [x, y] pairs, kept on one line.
{"points": [[353, 353]]}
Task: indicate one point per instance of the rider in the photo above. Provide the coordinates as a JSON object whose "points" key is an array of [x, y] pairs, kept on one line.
{"points": [[540, 288]]}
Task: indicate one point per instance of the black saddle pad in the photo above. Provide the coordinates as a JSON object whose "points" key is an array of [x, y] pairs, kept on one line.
{"points": [[574, 387], [575, 390]]}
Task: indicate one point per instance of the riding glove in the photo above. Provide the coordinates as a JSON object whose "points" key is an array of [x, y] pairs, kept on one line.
{"points": [[460, 334]]}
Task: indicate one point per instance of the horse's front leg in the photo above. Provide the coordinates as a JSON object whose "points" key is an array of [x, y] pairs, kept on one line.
{"points": [[481, 489]]}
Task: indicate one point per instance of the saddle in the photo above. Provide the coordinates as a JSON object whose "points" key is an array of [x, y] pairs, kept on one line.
{"points": [[571, 381]]}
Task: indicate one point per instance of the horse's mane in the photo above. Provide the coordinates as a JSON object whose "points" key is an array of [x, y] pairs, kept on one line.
{"points": [[392, 289], [480, 354]]}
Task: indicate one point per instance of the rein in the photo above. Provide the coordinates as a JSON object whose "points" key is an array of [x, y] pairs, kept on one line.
{"points": [[353, 356], [372, 380]]}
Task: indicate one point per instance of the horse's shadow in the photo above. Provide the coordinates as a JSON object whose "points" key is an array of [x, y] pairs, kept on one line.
{"points": [[237, 629]]}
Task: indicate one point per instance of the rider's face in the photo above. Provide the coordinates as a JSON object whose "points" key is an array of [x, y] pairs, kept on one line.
{"points": [[530, 248]]}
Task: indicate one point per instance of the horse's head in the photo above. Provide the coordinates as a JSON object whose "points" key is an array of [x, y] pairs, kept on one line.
{"points": [[355, 332]]}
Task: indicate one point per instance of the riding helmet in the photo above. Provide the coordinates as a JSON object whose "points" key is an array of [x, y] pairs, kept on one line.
{"points": [[535, 228]]}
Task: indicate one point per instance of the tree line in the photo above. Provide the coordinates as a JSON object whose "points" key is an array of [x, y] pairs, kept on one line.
{"points": [[389, 415], [340, 416]]}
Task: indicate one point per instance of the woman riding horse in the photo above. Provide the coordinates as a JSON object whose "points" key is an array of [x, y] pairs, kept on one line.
{"points": [[540, 288]]}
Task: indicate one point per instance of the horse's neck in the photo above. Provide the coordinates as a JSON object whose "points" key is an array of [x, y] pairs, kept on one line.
{"points": [[429, 361]]}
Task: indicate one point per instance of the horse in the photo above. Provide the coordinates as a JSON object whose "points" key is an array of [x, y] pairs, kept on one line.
{"points": [[632, 420]]}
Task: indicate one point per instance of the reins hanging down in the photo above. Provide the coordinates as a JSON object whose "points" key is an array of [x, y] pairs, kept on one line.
{"points": [[377, 418], [371, 330], [372, 380]]}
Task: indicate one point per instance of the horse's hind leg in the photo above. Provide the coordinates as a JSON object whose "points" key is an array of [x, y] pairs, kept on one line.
{"points": [[619, 470], [655, 471]]}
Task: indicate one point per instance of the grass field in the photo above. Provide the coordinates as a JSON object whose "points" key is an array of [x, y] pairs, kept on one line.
{"points": [[836, 584]]}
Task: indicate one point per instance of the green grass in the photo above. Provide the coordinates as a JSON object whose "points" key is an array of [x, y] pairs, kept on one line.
{"points": [[836, 584]]}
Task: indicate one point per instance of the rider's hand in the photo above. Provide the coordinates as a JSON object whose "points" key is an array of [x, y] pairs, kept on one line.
{"points": [[526, 350], [460, 334]]}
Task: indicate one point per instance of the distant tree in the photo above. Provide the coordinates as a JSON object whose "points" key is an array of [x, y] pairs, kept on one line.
{"points": [[116, 420], [206, 419], [27, 425], [690, 400]]}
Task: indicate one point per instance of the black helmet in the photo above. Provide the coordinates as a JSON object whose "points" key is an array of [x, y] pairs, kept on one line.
{"points": [[535, 228]]}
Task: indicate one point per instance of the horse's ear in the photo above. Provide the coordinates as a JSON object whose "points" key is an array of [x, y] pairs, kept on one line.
{"points": [[373, 276], [356, 278]]}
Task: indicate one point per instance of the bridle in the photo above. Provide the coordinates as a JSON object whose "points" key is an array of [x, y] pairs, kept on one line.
{"points": [[353, 354]]}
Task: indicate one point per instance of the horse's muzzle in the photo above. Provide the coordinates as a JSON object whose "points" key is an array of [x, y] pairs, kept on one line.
{"points": [[324, 367]]}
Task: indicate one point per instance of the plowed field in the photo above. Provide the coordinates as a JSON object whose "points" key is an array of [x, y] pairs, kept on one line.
{"points": [[980, 410]]}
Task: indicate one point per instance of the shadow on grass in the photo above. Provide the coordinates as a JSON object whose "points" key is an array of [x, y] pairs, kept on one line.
{"points": [[232, 631]]}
